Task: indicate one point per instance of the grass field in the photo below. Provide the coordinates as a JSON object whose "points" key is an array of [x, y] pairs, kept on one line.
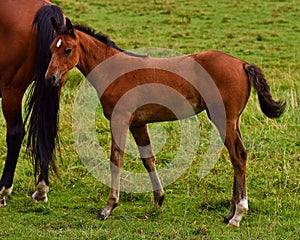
{"points": [[265, 33]]}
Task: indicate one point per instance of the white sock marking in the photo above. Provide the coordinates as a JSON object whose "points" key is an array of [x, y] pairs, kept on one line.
{"points": [[3, 193], [41, 193], [240, 211]]}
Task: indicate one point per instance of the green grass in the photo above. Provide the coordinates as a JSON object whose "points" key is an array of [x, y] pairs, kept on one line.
{"points": [[265, 33]]}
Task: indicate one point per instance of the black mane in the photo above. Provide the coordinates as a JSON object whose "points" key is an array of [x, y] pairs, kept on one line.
{"points": [[99, 36], [102, 38]]}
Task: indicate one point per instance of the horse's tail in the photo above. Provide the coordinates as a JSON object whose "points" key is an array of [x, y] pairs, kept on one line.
{"points": [[269, 106], [42, 104]]}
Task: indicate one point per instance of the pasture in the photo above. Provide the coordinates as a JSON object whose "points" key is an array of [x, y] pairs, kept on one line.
{"points": [[265, 33]]}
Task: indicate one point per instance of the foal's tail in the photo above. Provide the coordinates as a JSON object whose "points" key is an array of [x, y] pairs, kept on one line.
{"points": [[270, 107], [42, 104]]}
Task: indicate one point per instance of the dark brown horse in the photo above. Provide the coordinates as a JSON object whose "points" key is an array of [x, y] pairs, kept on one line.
{"points": [[136, 90], [25, 37]]}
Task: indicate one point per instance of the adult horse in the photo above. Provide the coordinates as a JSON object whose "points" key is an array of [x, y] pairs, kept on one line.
{"points": [[25, 37], [136, 90]]}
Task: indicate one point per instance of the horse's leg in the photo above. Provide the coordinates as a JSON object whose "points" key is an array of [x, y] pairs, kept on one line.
{"points": [[40, 195], [238, 154], [11, 107], [119, 130], [142, 140]]}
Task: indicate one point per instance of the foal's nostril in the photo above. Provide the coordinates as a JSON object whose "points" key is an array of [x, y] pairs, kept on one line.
{"points": [[53, 79], [50, 80]]}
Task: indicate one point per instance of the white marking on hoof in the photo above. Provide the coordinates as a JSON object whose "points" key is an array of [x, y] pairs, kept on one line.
{"points": [[41, 193], [3, 193], [6, 191], [240, 210], [59, 42], [2, 202]]}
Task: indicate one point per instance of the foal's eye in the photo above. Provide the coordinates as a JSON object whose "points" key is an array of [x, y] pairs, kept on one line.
{"points": [[68, 51]]}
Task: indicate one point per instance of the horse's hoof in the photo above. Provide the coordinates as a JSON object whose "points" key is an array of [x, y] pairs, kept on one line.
{"points": [[4, 193], [40, 195], [38, 198], [2, 202]]}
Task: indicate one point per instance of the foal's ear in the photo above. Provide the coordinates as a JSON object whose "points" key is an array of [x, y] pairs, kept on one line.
{"points": [[70, 28], [55, 25]]}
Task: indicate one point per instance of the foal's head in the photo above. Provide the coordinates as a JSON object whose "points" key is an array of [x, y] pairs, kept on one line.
{"points": [[65, 53]]}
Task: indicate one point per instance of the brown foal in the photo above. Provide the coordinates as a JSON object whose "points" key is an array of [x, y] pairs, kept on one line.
{"points": [[212, 81]]}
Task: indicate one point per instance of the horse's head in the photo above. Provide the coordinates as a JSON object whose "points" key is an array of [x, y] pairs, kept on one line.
{"points": [[65, 54]]}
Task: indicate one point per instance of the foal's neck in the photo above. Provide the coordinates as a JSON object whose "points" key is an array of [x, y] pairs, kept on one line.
{"points": [[92, 52]]}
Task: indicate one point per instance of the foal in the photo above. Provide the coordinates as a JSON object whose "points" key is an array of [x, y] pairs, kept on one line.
{"points": [[212, 81]]}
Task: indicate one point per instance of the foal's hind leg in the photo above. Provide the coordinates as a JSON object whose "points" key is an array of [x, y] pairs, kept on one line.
{"points": [[142, 139], [237, 152], [11, 107]]}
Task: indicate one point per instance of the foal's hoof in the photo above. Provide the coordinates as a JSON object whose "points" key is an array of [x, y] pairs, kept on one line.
{"points": [[160, 201], [101, 217], [233, 225], [229, 216], [230, 222], [159, 198], [227, 219]]}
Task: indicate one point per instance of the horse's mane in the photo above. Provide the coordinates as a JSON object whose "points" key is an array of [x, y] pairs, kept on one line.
{"points": [[102, 38]]}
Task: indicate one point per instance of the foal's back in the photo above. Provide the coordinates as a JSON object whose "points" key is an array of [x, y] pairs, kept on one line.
{"points": [[190, 83]]}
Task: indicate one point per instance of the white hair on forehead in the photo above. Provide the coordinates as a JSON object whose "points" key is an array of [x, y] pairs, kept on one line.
{"points": [[59, 42]]}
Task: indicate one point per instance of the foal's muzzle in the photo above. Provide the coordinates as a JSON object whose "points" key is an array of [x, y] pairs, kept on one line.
{"points": [[53, 80]]}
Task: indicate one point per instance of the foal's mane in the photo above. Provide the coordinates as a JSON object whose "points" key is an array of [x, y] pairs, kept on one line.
{"points": [[102, 38], [99, 36]]}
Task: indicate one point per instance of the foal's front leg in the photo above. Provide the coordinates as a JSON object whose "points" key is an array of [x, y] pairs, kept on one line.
{"points": [[116, 163], [141, 137], [119, 134]]}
